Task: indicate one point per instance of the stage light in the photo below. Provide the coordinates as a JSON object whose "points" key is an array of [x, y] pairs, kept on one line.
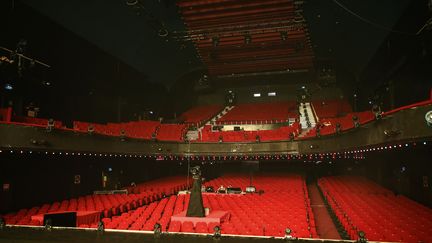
{"points": [[428, 118], [284, 35], [131, 2], [424, 143], [163, 32], [217, 231], [288, 233], [338, 128], [50, 125], [48, 224], [247, 39], [157, 228], [215, 41], [2, 223], [90, 129], [362, 237], [8, 87], [100, 226], [291, 136]]}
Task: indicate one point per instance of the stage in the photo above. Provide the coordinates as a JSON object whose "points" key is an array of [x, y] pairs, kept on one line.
{"points": [[40, 235]]}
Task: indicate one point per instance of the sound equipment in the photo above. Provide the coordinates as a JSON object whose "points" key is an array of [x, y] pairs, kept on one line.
{"points": [[250, 189], [234, 190]]}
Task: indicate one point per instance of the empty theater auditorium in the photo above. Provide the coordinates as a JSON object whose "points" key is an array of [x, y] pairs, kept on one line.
{"points": [[216, 121]]}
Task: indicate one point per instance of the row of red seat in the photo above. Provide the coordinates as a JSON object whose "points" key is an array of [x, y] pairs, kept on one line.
{"points": [[36, 121], [135, 129], [171, 132], [331, 108], [108, 205], [280, 134], [328, 126], [285, 204], [256, 113], [138, 129], [200, 114], [6, 114], [361, 205]]}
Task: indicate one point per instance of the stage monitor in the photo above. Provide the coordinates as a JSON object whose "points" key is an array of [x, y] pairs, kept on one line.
{"points": [[250, 189], [234, 190], [67, 219]]}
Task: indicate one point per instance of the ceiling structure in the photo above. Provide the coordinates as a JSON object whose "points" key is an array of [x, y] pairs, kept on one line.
{"points": [[237, 36], [195, 25]]}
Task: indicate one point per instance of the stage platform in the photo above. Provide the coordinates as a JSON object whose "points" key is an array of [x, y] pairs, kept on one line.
{"points": [[40, 235], [82, 217], [213, 217]]}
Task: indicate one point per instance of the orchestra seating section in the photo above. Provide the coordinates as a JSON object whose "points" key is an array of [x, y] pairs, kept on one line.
{"points": [[284, 204], [108, 205], [331, 108], [260, 113], [171, 132], [361, 205], [280, 134], [199, 115]]}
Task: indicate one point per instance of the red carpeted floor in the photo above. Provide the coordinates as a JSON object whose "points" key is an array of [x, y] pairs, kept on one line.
{"points": [[324, 224]]}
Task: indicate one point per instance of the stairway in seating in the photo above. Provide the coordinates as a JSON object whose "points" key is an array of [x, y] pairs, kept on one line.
{"points": [[195, 134], [307, 114], [220, 114], [325, 227]]}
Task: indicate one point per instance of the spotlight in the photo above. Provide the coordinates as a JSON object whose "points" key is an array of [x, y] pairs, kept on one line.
{"points": [[122, 135], [217, 231], [291, 136], [338, 128], [157, 229], [48, 224], [288, 233], [247, 39], [163, 32], [284, 35], [356, 121], [428, 118], [131, 2], [196, 172], [100, 226], [8, 87], [215, 41], [90, 129], [362, 237], [377, 111], [2, 223], [50, 125]]}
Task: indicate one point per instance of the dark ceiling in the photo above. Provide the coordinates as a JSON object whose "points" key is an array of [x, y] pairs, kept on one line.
{"points": [[336, 34]]}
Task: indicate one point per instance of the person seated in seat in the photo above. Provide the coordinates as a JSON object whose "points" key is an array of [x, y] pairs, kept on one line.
{"points": [[221, 189]]}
